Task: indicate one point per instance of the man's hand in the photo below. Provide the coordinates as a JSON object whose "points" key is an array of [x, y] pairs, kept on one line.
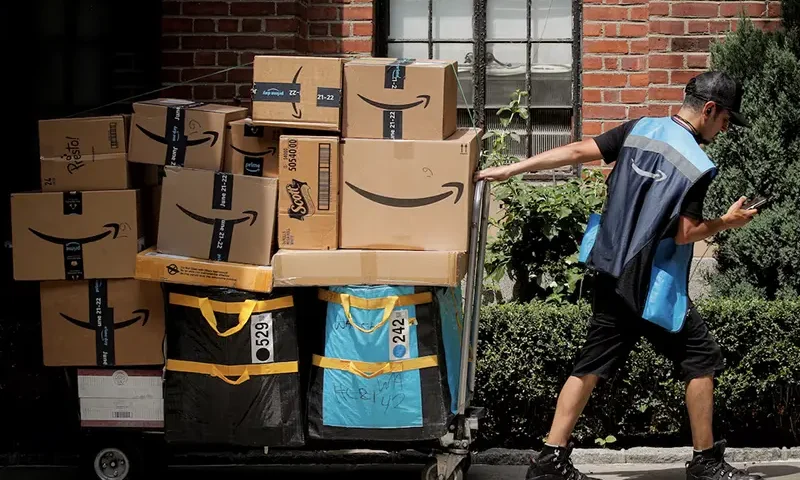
{"points": [[736, 216], [495, 174]]}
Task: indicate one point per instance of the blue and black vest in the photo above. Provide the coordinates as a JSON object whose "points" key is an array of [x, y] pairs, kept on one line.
{"points": [[633, 239]]}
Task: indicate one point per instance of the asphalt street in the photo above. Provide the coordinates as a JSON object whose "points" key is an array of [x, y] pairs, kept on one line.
{"points": [[777, 471]]}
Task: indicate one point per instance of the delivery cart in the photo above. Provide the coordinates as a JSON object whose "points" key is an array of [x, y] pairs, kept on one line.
{"points": [[123, 454]]}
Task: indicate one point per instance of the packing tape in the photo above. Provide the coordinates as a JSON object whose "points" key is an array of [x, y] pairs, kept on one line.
{"points": [[403, 150], [369, 266]]}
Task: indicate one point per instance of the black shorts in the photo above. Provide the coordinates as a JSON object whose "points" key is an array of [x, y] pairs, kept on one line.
{"points": [[615, 329]]}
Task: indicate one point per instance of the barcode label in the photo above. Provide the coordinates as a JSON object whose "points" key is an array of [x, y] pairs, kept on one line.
{"points": [[324, 192], [122, 414]]}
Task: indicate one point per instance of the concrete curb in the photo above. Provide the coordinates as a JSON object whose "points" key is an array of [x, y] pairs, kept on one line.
{"points": [[639, 455]]}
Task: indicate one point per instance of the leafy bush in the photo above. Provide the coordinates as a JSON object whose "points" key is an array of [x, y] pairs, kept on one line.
{"points": [[762, 259], [527, 352]]}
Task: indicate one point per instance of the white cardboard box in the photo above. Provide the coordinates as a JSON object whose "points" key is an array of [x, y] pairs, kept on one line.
{"points": [[121, 398]]}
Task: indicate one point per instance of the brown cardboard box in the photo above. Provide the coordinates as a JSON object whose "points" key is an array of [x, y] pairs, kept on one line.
{"points": [[179, 132], [217, 216], [305, 268], [300, 92], [74, 139], [102, 322], [399, 99], [408, 194], [309, 197], [161, 267], [76, 235], [93, 172], [252, 149]]}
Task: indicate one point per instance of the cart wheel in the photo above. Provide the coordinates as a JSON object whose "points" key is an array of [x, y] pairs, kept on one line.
{"points": [[430, 472], [112, 464], [111, 457]]}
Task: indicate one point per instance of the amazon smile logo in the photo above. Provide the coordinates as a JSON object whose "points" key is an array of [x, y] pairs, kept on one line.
{"points": [[142, 315], [250, 215], [269, 151], [211, 137], [659, 176], [222, 233], [280, 92], [426, 99], [458, 189], [74, 244]]}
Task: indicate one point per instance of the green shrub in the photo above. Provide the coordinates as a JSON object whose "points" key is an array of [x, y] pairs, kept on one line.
{"points": [[762, 259], [526, 352]]}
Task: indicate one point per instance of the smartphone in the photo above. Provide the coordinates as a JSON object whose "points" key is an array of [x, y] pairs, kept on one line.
{"points": [[755, 203]]}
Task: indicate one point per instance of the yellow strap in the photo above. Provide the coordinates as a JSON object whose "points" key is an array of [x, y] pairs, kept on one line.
{"points": [[245, 309], [244, 372], [373, 369], [386, 303]]}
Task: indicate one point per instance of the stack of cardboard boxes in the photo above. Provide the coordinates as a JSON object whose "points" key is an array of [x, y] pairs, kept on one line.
{"points": [[346, 173]]}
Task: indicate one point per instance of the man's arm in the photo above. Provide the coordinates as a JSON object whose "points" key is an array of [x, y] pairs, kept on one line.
{"points": [[570, 154], [692, 230]]}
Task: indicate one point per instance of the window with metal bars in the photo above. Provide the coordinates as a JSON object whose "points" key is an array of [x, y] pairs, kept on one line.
{"points": [[500, 46]]}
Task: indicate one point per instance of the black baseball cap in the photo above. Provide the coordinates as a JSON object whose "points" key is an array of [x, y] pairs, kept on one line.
{"points": [[720, 88]]}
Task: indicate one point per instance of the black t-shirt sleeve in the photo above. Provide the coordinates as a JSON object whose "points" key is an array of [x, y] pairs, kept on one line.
{"points": [[610, 143], [693, 201]]}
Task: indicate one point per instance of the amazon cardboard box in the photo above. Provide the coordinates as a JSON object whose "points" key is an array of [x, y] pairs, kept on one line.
{"points": [[91, 172], [309, 197], [162, 267], [121, 398], [217, 216], [304, 268], [408, 194], [252, 149], [77, 139], [298, 92], [102, 322], [399, 99], [76, 235], [181, 133]]}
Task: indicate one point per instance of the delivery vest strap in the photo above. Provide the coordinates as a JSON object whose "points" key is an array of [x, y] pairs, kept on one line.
{"points": [[244, 372], [388, 304], [245, 309], [374, 369]]}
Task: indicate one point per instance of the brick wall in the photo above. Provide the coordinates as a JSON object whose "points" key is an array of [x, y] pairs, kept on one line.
{"points": [[638, 54], [203, 37]]}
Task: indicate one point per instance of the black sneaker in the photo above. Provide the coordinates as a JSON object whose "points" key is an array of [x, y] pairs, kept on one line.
{"points": [[712, 466], [554, 464]]}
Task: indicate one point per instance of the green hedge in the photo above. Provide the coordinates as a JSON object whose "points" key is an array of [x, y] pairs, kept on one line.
{"points": [[526, 352]]}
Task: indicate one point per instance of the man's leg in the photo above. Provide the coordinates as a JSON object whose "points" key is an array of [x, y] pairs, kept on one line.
{"points": [[571, 402], [700, 403]]}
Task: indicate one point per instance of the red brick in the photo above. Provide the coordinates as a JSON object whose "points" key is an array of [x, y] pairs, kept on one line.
{"points": [[203, 92], [341, 29], [353, 45], [357, 13], [634, 95], [323, 13], [774, 9], [674, 109], [178, 91], [176, 24], [170, 75], [177, 59], [205, 58], [659, 77], [323, 46], [638, 111], [241, 75], [224, 91], [667, 27], [633, 30], [611, 63], [690, 44], [252, 9], [750, 9], [697, 61], [204, 25], [592, 29], [593, 163], [605, 46], [632, 2], [248, 57], [170, 8], [362, 29], [604, 111], [767, 25], [593, 12], [659, 8], [207, 74], [639, 80], [205, 8], [634, 64], [682, 77], [695, 9], [641, 13], [252, 25], [591, 128], [640, 46], [587, 2], [288, 8], [170, 43], [592, 95], [295, 44], [318, 29], [610, 125], [244, 91], [666, 93], [659, 44], [227, 59], [252, 41], [204, 43], [610, 96], [289, 25], [228, 25], [666, 61], [592, 63], [595, 79], [658, 110]]}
